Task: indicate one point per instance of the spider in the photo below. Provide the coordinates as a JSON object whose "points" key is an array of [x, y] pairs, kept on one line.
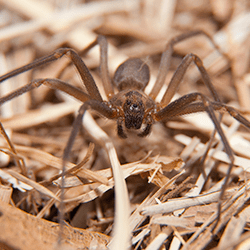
{"points": [[130, 106]]}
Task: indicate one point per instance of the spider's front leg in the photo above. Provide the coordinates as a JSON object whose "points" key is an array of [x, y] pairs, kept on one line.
{"points": [[176, 107], [187, 105], [101, 107]]}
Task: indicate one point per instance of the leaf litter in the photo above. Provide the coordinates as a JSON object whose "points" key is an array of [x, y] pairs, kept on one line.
{"points": [[169, 203]]}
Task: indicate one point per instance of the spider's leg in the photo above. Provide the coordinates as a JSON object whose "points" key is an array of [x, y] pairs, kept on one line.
{"points": [[108, 87], [186, 101], [101, 107], [102, 41], [167, 55], [77, 61], [178, 76], [52, 83], [85, 75], [104, 110], [199, 107], [81, 53], [177, 79]]}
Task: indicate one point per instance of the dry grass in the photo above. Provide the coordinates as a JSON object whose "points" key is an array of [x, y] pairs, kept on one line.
{"points": [[169, 204]]}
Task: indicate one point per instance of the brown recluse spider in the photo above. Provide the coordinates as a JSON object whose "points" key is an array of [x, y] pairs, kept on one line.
{"points": [[130, 106]]}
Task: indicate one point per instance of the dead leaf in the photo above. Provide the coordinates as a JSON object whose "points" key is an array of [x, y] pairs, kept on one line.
{"points": [[24, 231]]}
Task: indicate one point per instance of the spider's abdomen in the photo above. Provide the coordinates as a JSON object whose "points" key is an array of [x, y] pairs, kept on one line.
{"points": [[132, 74]]}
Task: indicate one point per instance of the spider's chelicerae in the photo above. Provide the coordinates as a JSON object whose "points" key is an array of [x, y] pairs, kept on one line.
{"points": [[130, 106]]}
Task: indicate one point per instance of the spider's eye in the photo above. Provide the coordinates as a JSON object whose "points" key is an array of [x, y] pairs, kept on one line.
{"points": [[134, 107], [128, 102]]}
